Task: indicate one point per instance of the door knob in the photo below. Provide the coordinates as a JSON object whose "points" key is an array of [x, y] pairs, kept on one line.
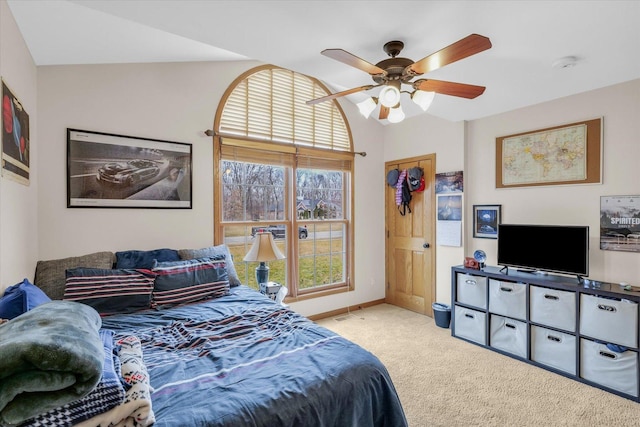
{"points": [[425, 245]]}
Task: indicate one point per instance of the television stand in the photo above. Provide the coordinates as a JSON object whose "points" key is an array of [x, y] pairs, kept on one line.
{"points": [[554, 322]]}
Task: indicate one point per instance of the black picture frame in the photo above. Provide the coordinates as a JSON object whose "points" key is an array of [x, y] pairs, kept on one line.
{"points": [[107, 170], [486, 219]]}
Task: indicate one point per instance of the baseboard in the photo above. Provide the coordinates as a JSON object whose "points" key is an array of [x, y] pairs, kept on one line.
{"points": [[345, 310]]}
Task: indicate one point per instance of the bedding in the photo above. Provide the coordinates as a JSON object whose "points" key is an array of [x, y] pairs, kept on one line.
{"points": [[135, 409], [50, 274], [108, 394], [20, 298], [244, 360], [45, 364], [213, 252], [110, 291]]}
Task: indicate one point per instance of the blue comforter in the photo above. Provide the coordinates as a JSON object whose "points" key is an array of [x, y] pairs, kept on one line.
{"points": [[243, 360]]}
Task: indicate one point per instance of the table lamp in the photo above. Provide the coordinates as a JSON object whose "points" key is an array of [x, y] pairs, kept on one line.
{"points": [[264, 249]]}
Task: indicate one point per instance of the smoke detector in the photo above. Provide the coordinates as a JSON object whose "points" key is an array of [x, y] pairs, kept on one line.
{"points": [[566, 62]]}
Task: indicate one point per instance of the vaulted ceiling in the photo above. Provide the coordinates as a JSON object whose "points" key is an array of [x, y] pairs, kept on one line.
{"points": [[528, 38]]}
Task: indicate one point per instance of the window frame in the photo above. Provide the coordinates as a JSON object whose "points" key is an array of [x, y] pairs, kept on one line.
{"points": [[304, 155]]}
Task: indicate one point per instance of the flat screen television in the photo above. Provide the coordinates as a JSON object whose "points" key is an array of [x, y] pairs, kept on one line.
{"points": [[544, 248]]}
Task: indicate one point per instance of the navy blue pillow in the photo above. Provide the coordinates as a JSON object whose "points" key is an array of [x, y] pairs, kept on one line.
{"points": [[145, 259], [20, 298], [180, 282], [110, 291]]}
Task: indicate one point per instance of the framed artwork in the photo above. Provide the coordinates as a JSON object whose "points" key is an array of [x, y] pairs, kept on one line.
{"points": [[15, 138], [620, 223], [117, 171], [485, 221], [560, 155], [449, 182]]}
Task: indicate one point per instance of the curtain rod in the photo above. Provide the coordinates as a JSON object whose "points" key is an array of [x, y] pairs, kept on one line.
{"points": [[210, 132]]}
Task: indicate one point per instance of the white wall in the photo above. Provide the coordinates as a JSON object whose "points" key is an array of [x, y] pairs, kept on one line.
{"points": [[423, 135], [18, 202], [619, 106], [471, 147], [176, 102]]}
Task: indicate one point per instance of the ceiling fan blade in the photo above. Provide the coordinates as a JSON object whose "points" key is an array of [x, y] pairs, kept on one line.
{"points": [[354, 61], [339, 94], [449, 88], [384, 112], [461, 49]]}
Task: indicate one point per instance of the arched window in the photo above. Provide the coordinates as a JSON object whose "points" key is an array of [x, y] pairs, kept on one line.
{"points": [[286, 167]]}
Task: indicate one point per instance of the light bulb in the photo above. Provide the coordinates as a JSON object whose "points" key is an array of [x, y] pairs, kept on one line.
{"points": [[389, 96], [366, 107], [423, 98], [396, 115]]}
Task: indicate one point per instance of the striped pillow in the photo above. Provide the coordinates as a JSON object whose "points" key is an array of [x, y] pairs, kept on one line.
{"points": [[180, 282], [110, 291]]}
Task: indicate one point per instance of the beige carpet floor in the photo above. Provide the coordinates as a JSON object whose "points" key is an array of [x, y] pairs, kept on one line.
{"points": [[445, 381]]}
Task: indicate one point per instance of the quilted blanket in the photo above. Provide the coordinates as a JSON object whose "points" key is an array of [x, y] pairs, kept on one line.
{"points": [[49, 356]]}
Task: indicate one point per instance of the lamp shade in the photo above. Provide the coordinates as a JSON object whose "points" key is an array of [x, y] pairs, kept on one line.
{"points": [[423, 98], [264, 249], [389, 96], [367, 106], [396, 115]]}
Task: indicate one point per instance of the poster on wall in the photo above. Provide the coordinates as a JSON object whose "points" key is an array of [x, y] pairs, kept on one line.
{"points": [[620, 223], [449, 182], [449, 224], [15, 138], [117, 171]]}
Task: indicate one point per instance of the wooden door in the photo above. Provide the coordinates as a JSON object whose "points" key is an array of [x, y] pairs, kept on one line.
{"points": [[410, 242]]}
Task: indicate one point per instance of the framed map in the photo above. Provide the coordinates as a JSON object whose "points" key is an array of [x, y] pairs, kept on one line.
{"points": [[567, 154]]}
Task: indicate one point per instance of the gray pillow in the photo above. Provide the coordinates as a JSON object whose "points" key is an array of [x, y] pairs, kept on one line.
{"points": [[50, 275], [211, 252]]}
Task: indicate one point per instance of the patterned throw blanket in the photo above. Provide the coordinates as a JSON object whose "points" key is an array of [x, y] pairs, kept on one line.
{"points": [[136, 409], [49, 356], [108, 394]]}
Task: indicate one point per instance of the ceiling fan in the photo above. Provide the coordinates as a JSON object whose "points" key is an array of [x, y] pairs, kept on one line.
{"points": [[393, 72]]}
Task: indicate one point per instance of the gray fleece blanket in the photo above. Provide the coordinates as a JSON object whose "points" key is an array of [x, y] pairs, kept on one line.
{"points": [[49, 356]]}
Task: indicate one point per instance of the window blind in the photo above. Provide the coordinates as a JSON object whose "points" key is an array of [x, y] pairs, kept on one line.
{"points": [[270, 104]]}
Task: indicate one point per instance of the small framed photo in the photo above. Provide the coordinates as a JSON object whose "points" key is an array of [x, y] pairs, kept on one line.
{"points": [[485, 221]]}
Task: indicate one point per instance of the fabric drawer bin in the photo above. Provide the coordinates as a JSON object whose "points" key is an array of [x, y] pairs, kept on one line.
{"points": [[600, 365], [552, 307], [554, 349], [611, 320], [508, 299], [470, 324], [508, 335], [471, 290]]}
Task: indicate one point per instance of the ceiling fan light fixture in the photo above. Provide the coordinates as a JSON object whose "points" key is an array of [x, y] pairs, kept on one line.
{"points": [[367, 106], [423, 98], [389, 96], [396, 115]]}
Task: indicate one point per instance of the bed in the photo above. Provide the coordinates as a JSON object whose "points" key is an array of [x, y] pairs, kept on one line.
{"points": [[194, 347], [244, 360]]}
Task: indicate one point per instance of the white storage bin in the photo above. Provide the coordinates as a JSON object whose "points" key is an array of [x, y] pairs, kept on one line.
{"points": [[610, 320], [508, 335], [600, 365], [508, 299], [471, 290], [554, 349], [552, 307], [470, 324]]}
